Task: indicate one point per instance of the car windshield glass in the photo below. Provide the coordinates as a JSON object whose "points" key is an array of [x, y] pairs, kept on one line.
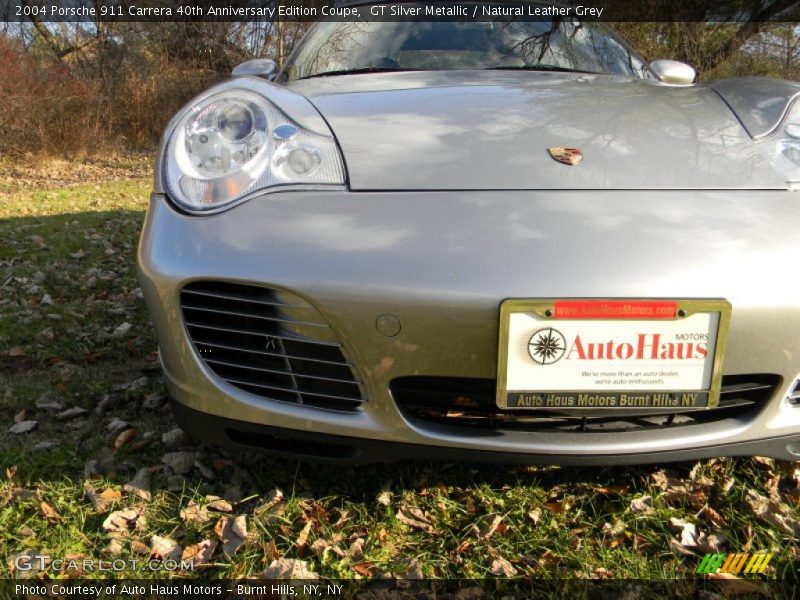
{"points": [[552, 44]]}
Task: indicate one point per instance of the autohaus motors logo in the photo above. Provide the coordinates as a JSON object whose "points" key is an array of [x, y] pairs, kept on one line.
{"points": [[548, 345]]}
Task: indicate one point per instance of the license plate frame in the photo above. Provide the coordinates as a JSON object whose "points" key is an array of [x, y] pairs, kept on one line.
{"points": [[549, 312]]}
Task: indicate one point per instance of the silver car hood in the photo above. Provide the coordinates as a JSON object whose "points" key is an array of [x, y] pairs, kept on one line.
{"points": [[491, 130]]}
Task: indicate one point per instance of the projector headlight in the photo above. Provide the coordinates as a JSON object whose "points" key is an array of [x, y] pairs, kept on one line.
{"points": [[235, 142]]}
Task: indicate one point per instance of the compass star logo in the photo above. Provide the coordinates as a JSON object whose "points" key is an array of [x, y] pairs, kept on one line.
{"points": [[547, 346]]}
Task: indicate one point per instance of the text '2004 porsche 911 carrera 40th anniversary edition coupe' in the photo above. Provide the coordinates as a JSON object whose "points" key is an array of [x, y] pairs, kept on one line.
{"points": [[510, 240]]}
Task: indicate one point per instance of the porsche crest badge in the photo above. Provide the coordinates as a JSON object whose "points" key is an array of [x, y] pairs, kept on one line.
{"points": [[567, 156]]}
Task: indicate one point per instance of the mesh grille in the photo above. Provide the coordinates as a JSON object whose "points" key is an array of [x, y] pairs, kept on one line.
{"points": [[471, 403], [270, 343]]}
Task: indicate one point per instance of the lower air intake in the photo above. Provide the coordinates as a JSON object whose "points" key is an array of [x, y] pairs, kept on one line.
{"points": [[470, 402], [269, 342]]}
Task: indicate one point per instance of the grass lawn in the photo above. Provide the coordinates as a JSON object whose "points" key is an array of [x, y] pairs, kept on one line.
{"points": [[74, 334]]}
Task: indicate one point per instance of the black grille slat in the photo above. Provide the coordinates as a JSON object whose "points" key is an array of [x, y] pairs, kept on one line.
{"points": [[470, 402], [275, 354], [222, 296], [231, 313], [270, 343], [293, 373], [262, 333]]}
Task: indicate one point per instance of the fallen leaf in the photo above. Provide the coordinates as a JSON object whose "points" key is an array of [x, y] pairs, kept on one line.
{"points": [[204, 470], [773, 512], [165, 548], [414, 518], [201, 553], [356, 551], [412, 569], [122, 438], [140, 485], [102, 501], [502, 568], [194, 513], [180, 462], [486, 525], [116, 425], [121, 330], [23, 427], [174, 438], [535, 515], [232, 532], [288, 568], [365, 569], [46, 402], [642, 505], [218, 504], [49, 512], [302, 538], [123, 522], [71, 413]]}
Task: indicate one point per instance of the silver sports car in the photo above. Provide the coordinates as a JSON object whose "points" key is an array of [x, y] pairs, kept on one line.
{"points": [[509, 239]]}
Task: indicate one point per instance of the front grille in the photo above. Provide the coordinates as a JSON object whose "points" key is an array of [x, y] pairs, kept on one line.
{"points": [[269, 342], [470, 402]]}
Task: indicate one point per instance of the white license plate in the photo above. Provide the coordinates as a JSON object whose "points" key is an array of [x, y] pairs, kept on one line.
{"points": [[609, 354]]}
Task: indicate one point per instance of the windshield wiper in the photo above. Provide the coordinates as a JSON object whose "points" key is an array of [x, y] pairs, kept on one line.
{"points": [[359, 71], [539, 68]]}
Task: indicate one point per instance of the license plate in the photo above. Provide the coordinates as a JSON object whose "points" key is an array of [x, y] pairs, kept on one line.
{"points": [[611, 354]]}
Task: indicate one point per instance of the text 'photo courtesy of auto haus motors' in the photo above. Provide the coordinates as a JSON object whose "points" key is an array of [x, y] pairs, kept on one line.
{"points": [[501, 240]]}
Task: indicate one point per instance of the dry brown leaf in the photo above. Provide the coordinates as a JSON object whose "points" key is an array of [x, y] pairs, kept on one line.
{"points": [[502, 568], [180, 462], [201, 553], [414, 518], [288, 568], [356, 551], [486, 525], [302, 538], [140, 485], [49, 512], [410, 569], [165, 548], [123, 522], [23, 427], [122, 438], [365, 569], [232, 531], [773, 512], [102, 501], [643, 505], [194, 513], [217, 504]]}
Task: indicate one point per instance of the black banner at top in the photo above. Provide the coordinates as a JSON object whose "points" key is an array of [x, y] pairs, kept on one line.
{"points": [[430, 10]]}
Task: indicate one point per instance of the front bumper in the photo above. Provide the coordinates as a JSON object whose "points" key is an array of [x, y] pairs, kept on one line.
{"points": [[442, 262]]}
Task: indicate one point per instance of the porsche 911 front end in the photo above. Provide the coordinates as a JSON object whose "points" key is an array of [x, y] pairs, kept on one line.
{"points": [[562, 263]]}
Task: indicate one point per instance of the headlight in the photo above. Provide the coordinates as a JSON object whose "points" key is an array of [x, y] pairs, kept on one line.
{"points": [[783, 146], [236, 142]]}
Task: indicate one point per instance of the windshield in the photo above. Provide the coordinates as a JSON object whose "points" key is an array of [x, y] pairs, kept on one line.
{"points": [[547, 44]]}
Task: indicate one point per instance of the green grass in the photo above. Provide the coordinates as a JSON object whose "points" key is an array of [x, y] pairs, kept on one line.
{"points": [[76, 245]]}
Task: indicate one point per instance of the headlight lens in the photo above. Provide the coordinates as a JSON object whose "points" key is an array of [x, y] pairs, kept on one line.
{"points": [[236, 142]]}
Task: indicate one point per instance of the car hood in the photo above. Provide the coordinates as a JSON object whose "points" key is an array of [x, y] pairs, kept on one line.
{"points": [[492, 130]]}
